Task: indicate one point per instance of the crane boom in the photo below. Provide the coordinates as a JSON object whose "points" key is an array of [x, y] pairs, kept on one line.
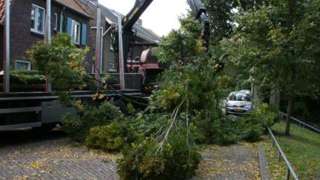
{"points": [[198, 10]]}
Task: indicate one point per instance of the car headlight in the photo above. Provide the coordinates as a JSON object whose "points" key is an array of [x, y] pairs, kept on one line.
{"points": [[248, 106]]}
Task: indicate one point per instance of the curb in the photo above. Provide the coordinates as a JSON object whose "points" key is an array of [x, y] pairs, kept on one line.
{"points": [[263, 164]]}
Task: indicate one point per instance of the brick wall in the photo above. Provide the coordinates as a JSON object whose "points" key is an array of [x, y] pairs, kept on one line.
{"points": [[22, 38]]}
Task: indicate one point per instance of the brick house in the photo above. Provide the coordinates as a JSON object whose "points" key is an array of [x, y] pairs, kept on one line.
{"points": [[75, 17], [28, 26]]}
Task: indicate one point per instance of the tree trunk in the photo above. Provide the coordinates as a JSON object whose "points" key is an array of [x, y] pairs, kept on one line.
{"points": [[275, 98], [289, 113]]}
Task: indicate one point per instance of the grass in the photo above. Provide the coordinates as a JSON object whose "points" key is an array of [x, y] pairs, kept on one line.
{"points": [[302, 149]]}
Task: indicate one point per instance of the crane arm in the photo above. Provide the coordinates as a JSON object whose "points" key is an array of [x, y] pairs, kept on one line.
{"points": [[133, 16], [198, 10]]}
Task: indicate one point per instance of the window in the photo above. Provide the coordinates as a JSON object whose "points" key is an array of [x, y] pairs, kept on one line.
{"points": [[74, 30], [37, 19], [77, 31], [56, 21], [23, 65]]}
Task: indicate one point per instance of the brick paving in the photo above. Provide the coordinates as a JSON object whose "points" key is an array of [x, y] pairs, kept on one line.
{"points": [[236, 162], [26, 155], [52, 157]]}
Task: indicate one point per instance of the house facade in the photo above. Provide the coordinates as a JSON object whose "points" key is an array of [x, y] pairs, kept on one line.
{"points": [[142, 39], [28, 26], [77, 18]]}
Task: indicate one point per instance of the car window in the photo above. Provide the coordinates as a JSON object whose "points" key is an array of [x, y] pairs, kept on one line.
{"points": [[239, 97]]}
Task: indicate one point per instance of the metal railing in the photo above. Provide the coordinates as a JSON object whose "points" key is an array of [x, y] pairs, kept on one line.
{"points": [[302, 123], [290, 170]]}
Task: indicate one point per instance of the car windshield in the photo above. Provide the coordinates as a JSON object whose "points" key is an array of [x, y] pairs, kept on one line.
{"points": [[239, 97]]}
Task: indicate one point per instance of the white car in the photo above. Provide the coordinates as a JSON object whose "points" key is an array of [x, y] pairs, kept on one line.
{"points": [[238, 102]]}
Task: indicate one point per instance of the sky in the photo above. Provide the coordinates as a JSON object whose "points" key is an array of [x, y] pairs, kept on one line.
{"points": [[161, 17]]}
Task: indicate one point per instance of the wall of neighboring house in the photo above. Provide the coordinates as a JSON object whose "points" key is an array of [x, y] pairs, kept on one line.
{"points": [[109, 56], [91, 9], [22, 35]]}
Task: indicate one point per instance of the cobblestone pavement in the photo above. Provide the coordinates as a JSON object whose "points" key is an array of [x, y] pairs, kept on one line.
{"points": [[236, 162], [26, 155], [51, 156]]}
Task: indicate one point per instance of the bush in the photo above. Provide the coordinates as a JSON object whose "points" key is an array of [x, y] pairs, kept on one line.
{"points": [[149, 124], [78, 126], [217, 130], [253, 125], [61, 62], [112, 137], [177, 160]]}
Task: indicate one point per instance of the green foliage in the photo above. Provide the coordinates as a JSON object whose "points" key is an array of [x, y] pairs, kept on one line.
{"points": [[177, 160], [253, 125], [111, 137], [62, 62], [78, 127], [149, 124], [26, 77], [181, 46], [273, 52], [302, 150]]}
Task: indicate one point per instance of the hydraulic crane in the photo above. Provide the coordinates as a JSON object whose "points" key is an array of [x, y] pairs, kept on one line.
{"points": [[198, 10]]}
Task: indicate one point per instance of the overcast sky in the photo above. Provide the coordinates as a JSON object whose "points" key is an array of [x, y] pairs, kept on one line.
{"points": [[161, 17]]}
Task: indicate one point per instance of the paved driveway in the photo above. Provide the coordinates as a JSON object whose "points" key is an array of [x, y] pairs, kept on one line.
{"points": [[235, 162], [25, 155]]}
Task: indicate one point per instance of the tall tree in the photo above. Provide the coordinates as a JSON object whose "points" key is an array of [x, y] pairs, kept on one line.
{"points": [[277, 44]]}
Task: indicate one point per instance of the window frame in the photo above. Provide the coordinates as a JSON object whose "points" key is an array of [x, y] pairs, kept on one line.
{"points": [[76, 38], [23, 62], [56, 22], [36, 20]]}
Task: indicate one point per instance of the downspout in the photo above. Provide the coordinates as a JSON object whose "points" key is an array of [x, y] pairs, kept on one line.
{"points": [[48, 24], [48, 37], [121, 55], [98, 44], [61, 20], [101, 49], [7, 47]]}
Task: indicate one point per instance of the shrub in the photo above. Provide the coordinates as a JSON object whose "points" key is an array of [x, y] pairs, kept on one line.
{"points": [[78, 126], [61, 62], [218, 129], [149, 124], [110, 137], [177, 160], [253, 125]]}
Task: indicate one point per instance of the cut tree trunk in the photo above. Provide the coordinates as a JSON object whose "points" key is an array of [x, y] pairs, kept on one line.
{"points": [[289, 113]]}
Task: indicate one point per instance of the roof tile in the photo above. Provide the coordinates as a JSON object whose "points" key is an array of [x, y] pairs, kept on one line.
{"points": [[74, 5], [1, 11]]}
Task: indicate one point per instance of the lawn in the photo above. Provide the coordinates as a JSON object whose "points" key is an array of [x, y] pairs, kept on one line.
{"points": [[302, 149]]}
